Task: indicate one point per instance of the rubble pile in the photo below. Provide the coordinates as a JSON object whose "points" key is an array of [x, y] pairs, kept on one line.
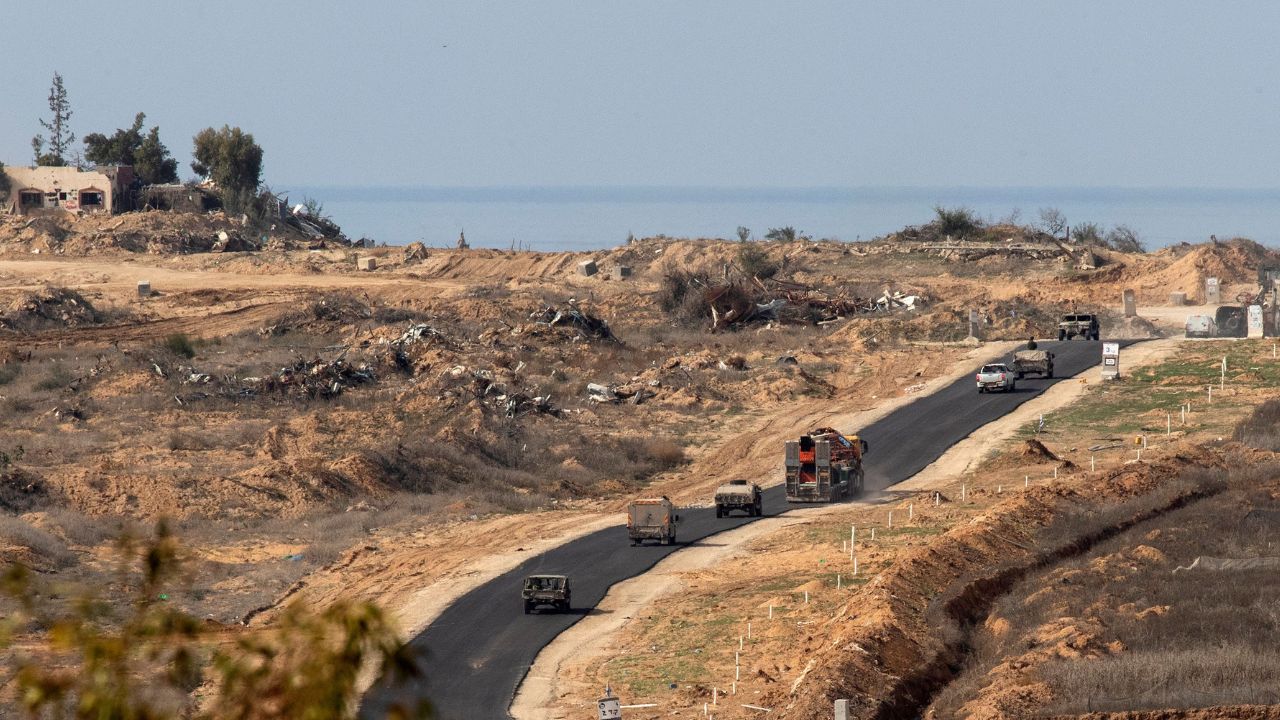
{"points": [[582, 324], [304, 379], [462, 383], [49, 308], [735, 303]]}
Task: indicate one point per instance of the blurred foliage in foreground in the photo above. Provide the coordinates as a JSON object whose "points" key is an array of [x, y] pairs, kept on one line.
{"points": [[143, 658]]}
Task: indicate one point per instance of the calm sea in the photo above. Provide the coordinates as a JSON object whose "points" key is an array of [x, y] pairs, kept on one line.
{"points": [[582, 218]]}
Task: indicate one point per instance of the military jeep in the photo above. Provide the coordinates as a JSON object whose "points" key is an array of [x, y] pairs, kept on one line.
{"points": [[550, 590], [1083, 326]]}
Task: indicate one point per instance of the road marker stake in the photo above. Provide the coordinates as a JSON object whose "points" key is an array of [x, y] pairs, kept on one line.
{"points": [[999, 489], [1092, 467], [838, 582], [748, 631], [890, 518], [806, 597], [1055, 472], [855, 566], [1168, 423], [937, 499], [770, 611], [964, 493]]}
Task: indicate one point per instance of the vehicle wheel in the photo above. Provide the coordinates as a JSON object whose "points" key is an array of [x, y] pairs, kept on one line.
{"points": [[719, 513], [635, 543], [1019, 376], [1049, 374], [981, 390], [759, 510], [528, 607], [1062, 335]]}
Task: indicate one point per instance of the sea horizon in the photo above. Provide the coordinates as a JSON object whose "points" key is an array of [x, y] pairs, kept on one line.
{"points": [[579, 217]]}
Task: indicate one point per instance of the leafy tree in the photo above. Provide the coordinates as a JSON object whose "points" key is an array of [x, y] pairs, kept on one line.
{"points": [[58, 126], [785, 234], [744, 233], [1124, 239], [148, 156], [4, 184], [1087, 233], [143, 663], [959, 222], [1052, 221], [230, 158]]}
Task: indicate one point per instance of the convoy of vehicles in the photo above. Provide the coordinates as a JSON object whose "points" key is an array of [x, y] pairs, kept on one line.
{"points": [[997, 377], [550, 590], [824, 466], [739, 495]]}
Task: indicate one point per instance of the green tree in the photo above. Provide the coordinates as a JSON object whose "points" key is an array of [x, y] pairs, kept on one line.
{"points": [[785, 234], [148, 156], [58, 126], [744, 233], [230, 158], [143, 661]]}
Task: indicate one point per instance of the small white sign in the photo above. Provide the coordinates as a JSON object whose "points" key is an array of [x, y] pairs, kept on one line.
{"points": [[1110, 348], [1109, 361], [610, 709]]}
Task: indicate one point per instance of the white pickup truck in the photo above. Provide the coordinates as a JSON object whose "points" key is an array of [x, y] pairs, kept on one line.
{"points": [[997, 376]]}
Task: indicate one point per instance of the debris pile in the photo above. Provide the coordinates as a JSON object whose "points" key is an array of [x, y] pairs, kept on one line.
{"points": [[304, 379], [569, 323], [49, 308], [733, 303], [460, 382], [317, 378]]}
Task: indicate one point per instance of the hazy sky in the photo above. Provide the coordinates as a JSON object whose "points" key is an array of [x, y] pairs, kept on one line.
{"points": [[742, 93]]}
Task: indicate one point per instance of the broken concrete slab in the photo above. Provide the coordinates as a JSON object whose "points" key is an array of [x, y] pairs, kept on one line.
{"points": [[587, 268]]}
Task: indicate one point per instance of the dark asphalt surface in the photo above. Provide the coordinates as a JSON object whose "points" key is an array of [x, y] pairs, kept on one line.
{"points": [[479, 649]]}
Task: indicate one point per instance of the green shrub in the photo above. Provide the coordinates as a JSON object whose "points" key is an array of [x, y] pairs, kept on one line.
{"points": [[179, 344], [755, 262], [959, 222]]}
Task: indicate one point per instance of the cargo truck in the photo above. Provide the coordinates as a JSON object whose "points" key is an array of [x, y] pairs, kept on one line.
{"points": [[652, 519], [824, 466]]}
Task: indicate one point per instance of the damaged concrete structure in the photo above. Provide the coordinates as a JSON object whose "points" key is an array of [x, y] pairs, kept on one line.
{"points": [[36, 190]]}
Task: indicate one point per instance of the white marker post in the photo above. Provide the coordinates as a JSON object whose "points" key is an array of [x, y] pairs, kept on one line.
{"points": [[855, 566], [1168, 423], [890, 518], [937, 499], [609, 706], [964, 493], [911, 511], [1092, 466]]}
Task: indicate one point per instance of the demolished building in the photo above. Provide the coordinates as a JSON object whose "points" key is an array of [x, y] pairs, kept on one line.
{"points": [[36, 190]]}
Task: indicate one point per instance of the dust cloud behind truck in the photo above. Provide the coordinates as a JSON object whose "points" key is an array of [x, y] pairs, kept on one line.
{"points": [[824, 466]]}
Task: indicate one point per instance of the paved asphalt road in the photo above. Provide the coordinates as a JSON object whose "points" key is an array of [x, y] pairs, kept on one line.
{"points": [[479, 649]]}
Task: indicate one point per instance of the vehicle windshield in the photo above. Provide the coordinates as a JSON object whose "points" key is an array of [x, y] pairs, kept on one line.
{"points": [[543, 583], [988, 369]]}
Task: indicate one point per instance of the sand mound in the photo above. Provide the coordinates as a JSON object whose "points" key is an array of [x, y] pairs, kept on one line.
{"points": [[47, 309]]}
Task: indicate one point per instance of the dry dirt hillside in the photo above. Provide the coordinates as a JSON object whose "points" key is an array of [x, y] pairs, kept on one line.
{"points": [[300, 419]]}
